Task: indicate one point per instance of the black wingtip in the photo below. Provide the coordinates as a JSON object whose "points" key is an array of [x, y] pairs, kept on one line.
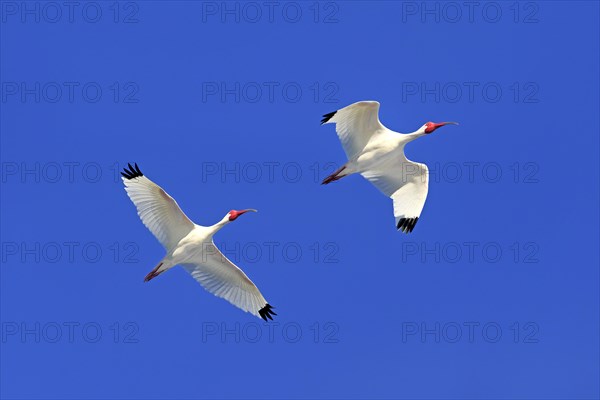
{"points": [[266, 312], [407, 225], [327, 117], [133, 172]]}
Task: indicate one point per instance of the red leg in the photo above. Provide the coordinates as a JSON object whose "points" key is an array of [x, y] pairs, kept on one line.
{"points": [[154, 273], [334, 177]]}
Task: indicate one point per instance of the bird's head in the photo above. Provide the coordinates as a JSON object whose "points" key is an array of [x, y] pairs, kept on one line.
{"points": [[233, 214], [429, 127]]}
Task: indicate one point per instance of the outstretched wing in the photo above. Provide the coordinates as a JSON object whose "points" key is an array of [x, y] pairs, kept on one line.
{"points": [[217, 274], [407, 183], [355, 125], [157, 210]]}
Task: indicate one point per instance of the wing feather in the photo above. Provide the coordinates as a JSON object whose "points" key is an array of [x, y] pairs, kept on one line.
{"points": [[407, 183], [159, 212], [355, 125], [219, 276]]}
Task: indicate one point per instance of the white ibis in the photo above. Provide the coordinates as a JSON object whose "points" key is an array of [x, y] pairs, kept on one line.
{"points": [[192, 246], [377, 153]]}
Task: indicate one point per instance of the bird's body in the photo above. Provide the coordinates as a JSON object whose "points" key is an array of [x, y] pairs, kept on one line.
{"points": [[377, 153], [191, 245]]}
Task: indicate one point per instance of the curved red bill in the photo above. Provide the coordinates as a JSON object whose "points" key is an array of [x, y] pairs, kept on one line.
{"points": [[440, 124], [233, 214], [432, 126]]}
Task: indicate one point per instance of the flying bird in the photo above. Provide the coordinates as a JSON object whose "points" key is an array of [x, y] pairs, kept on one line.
{"points": [[377, 153], [192, 246]]}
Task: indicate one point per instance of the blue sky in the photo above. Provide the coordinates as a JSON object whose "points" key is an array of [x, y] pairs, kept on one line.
{"points": [[494, 294]]}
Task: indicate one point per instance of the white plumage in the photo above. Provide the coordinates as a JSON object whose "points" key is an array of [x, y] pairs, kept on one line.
{"points": [[377, 153], [158, 211], [191, 245]]}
